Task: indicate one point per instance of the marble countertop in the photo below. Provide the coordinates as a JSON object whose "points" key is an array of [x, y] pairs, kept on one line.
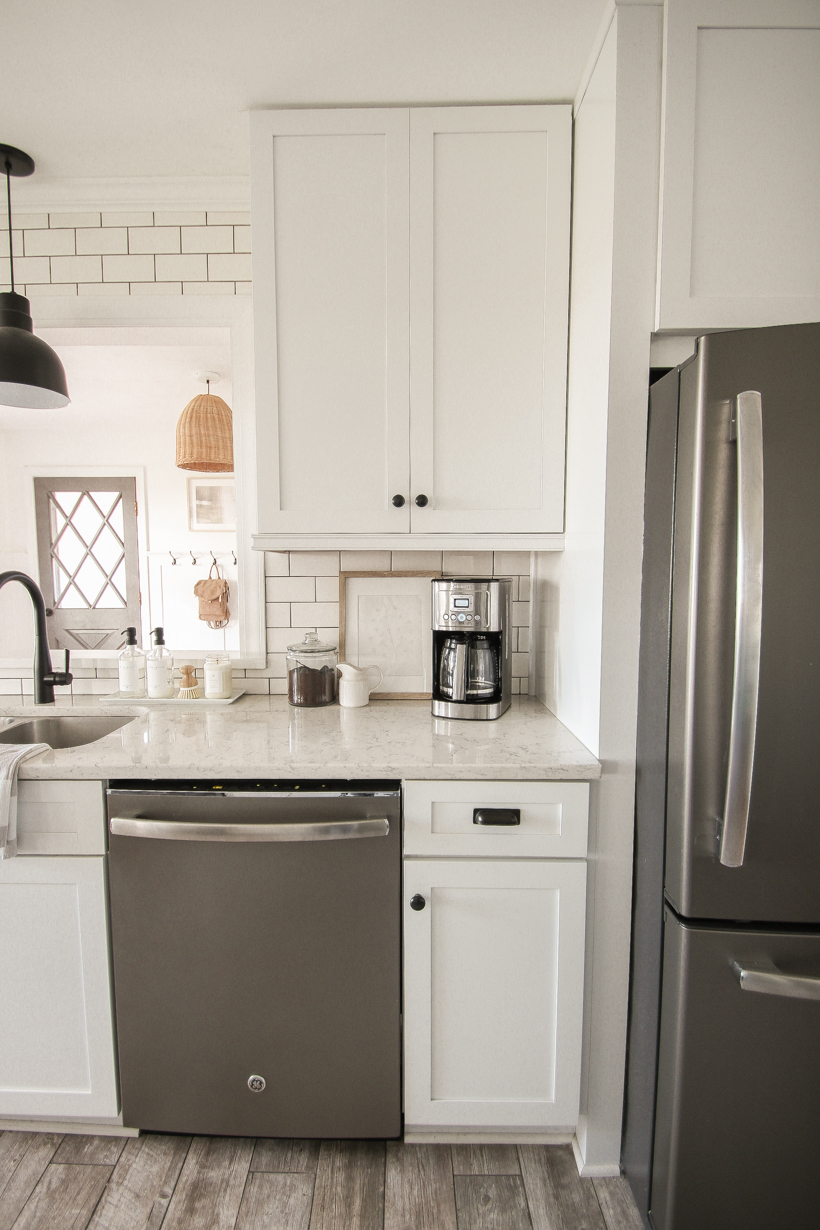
{"points": [[264, 736]]}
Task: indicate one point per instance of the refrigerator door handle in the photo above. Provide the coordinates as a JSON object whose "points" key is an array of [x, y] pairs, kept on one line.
{"points": [[766, 979], [748, 623]]}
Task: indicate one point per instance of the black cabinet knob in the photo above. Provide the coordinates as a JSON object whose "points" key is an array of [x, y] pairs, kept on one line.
{"points": [[398, 501], [417, 902], [421, 500]]}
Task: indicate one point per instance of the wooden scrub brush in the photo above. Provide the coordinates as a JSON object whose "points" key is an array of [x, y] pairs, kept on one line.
{"points": [[189, 688]]}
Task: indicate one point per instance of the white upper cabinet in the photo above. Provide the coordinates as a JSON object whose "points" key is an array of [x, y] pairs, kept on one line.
{"points": [[489, 271], [739, 241], [410, 301], [330, 283]]}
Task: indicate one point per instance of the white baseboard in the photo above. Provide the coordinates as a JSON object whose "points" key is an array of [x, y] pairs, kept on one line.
{"points": [[441, 1136], [67, 1127], [610, 1171]]}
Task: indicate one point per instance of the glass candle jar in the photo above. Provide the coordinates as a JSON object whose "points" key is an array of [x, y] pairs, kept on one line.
{"points": [[312, 673], [218, 677]]}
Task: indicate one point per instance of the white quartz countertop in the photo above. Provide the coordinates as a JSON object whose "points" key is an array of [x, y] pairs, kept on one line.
{"points": [[263, 736]]}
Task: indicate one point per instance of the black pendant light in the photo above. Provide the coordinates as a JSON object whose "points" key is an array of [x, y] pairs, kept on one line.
{"points": [[31, 375]]}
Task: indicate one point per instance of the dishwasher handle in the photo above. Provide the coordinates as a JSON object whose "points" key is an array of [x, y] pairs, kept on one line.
{"points": [[180, 830]]}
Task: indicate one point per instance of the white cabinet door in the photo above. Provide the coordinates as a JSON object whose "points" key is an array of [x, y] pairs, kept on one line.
{"points": [[489, 280], [739, 243], [329, 195], [57, 1056], [493, 993]]}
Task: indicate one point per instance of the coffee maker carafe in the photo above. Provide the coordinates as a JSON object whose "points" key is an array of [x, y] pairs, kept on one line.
{"points": [[472, 662]]}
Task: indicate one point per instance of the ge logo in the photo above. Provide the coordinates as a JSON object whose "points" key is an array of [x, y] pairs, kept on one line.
{"points": [[256, 1083]]}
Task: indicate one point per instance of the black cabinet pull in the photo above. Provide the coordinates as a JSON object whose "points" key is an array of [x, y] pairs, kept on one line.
{"points": [[417, 902], [497, 815], [421, 500], [398, 501]]}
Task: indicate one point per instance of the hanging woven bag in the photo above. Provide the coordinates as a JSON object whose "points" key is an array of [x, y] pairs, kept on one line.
{"points": [[213, 599]]}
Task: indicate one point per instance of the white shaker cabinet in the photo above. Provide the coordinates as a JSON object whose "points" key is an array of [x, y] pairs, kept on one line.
{"points": [[493, 956], [739, 243], [410, 273], [57, 1057]]}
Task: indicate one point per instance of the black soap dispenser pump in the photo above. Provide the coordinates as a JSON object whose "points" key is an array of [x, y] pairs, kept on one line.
{"points": [[131, 667]]}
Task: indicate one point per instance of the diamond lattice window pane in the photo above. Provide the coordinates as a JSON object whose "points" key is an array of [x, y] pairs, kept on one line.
{"points": [[87, 520], [115, 518], [69, 550], [90, 580], [119, 580], [108, 549], [109, 598], [106, 500]]}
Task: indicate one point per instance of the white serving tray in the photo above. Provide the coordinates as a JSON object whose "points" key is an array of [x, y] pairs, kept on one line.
{"points": [[117, 699]]}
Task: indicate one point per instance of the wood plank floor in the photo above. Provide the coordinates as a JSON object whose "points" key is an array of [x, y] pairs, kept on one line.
{"points": [[51, 1182]]}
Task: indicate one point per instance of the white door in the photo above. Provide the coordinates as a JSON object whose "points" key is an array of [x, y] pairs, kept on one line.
{"points": [[489, 282], [493, 992], [57, 1056], [329, 195], [739, 240]]}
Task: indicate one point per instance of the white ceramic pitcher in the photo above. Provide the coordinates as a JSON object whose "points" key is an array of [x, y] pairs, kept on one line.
{"points": [[355, 686]]}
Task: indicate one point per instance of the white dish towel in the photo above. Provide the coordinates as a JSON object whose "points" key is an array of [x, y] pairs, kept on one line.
{"points": [[12, 756]]}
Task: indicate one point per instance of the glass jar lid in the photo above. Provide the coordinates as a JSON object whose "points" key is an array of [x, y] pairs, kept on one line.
{"points": [[311, 644]]}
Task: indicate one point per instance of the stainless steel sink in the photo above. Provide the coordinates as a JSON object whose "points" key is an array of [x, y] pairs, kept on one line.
{"points": [[60, 732]]}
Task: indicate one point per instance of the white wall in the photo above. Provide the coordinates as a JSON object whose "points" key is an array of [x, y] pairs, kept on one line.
{"points": [[587, 618]]}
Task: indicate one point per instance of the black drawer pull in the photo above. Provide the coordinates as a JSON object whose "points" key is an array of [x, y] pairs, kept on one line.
{"points": [[497, 815]]}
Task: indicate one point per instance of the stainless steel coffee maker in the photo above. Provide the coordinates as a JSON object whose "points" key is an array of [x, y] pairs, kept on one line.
{"points": [[472, 662]]}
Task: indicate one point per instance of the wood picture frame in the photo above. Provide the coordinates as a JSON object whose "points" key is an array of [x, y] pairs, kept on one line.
{"points": [[344, 577]]}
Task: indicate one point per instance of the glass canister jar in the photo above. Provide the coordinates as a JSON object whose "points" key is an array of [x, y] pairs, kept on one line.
{"points": [[312, 672]]}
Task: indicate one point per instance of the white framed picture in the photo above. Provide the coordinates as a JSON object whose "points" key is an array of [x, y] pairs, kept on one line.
{"points": [[384, 621], [211, 504]]}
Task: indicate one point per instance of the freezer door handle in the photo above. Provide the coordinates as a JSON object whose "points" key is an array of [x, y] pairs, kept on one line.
{"points": [[180, 830], [748, 623], [766, 979]]}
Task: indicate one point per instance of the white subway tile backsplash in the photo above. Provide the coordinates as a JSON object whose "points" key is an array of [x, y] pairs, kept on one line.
{"points": [[520, 665], [327, 589], [524, 588], [524, 640], [153, 239], [244, 288], [277, 614], [278, 687], [49, 289], [280, 638], [257, 687], [314, 563], [156, 288], [365, 561], [49, 243], [30, 222], [187, 268], [225, 266], [521, 614], [468, 563], [103, 288], [315, 614], [145, 218], [413, 561], [11, 687], [30, 269], [507, 563], [235, 217], [208, 288], [128, 268], [291, 589], [191, 218], [71, 220], [207, 239], [276, 564], [241, 239], [76, 269], [105, 240]]}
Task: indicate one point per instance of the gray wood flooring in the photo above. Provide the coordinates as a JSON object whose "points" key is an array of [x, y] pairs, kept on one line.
{"points": [[51, 1182]]}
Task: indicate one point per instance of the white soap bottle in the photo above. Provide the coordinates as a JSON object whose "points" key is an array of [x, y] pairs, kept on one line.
{"points": [[159, 667], [131, 666]]}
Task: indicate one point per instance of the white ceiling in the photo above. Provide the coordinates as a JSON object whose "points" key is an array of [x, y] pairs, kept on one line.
{"points": [[109, 89]]}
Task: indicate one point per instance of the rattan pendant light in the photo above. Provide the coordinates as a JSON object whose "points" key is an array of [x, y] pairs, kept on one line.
{"points": [[205, 433]]}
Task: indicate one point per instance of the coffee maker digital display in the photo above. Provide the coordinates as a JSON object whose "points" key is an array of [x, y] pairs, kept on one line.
{"points": [[472, 662]]}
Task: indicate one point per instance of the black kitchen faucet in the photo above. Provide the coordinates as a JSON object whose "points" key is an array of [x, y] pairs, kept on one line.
{"points": [[44, 677]]}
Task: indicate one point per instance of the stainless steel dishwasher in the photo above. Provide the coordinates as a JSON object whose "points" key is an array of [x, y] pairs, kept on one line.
{"points": [[257, 949]]}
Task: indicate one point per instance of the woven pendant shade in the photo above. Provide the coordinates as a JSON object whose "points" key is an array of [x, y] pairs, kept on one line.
{"points": [[205, 436]]}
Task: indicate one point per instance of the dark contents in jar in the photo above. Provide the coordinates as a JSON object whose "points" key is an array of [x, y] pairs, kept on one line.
{"points": [[310, 687]]}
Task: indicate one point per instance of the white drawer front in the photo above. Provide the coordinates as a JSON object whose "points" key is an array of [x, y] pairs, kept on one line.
{"points": [[60, 818], [438, 819]]}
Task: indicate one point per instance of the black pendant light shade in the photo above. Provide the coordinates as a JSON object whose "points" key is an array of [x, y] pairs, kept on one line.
{"points": [[30, 372], [31, 375]]}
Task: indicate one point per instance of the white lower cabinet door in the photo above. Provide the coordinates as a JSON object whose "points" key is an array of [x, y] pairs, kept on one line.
{"points": [[494, 983], [57, 1054]]}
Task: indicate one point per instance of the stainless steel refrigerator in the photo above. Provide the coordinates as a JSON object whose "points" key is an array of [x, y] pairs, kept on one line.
{"points": [[722, 1117]]}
